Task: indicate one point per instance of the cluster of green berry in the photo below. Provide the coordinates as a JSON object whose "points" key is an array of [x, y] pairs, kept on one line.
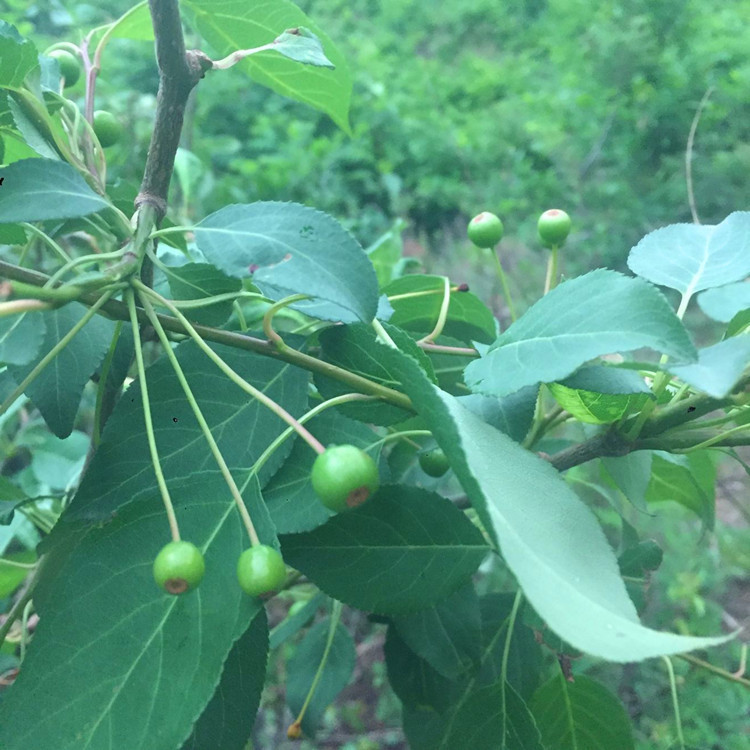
{"points": [[107, 127], [486, 230], [343, 477]]}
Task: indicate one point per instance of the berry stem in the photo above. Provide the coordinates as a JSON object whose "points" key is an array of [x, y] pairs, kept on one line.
{"points": [[52, 353], [81, 260], [48, 241], [382, 334], [504, 283], [277, 409], [335, 617], [226, 473], [550, 282], [442, 315], [271, 335], [506, 652], [675, 701], [269, 451], [424, 293], [397, 436], [171, 517]]}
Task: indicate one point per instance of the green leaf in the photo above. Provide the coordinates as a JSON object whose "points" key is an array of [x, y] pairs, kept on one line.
{"points": [[287, 248], [135, 23], [100, 609], [294, 623], [688, 480], [357, 348], [242, 427], [386, 252], [403, 550], [231, 25], [512, 414], [479, 722], [581, 715], [21, 337], [416, 683], [198, 281], [227, 721], [301, 45], [18, 56], [631, 474], [598, 313], [694, 257], [524, 655], [34, 125], [57, 463], [725, 302], [719, 367], [448, 635], [290, 498], [57, 391], [469, 319], [640, 559], [10, 498], [39, 189], [304, 664], [549, 539], [599, 394]]}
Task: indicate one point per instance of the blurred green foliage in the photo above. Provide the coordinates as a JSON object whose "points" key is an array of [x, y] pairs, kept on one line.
{"points": [[463, 106]]}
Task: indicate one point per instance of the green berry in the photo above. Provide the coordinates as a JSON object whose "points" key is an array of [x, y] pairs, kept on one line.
{"points": [[107, 128], [260, 570], [344, 476], [554, 227], [179, 567], [70, 68], [485, 230], [434, 462]]}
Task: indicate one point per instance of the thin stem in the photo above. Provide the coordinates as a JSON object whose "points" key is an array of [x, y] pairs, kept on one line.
{"points": [[720, 438], [23, 306], [161, 482], [289, 431], [425, 293], [383, 334], [506, 653], [83, 259], [442, 316], [335, 617], [504, 283], [459, 351], [240, 315], [17, 609], [731, 677], [550, 281], [25, 629], [271, 335], [47, 240], [397, 436], [14, 564], [689, 154], [268, 402], [675, 701], [226, 473], [56, 349]]}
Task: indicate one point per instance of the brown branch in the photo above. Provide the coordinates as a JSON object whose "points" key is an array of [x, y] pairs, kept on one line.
{"points": [[118, 311], [179, 72]]}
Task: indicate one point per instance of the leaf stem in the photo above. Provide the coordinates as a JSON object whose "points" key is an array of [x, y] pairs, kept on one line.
{"points": [[503, 282], [506, 653], [715, 670], [56, 349], [205, 429], [675, 701], [550, 281], [271, 335], [442, 315], [333, 625], [161, 482], [102, 385], [268, 402], [47, 240], [382, 334]]}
